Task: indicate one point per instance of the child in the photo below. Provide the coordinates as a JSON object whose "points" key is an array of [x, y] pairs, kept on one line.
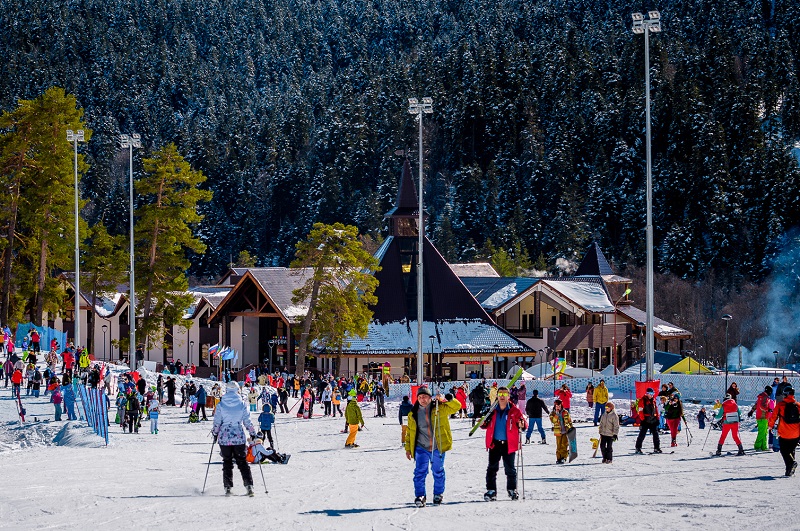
{"points": [[154, 408], [252, 397], [702, 418], [265, 420], [263, 455], [561, 425], [57, 399]]}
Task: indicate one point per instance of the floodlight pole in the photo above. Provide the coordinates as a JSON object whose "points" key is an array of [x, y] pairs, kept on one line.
{"points": [[75, 137], [130, 142], [727, 318], [414, 107], [642, 25]]}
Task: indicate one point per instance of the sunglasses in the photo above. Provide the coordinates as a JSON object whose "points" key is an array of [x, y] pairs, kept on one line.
{"points": [[503, 393]]}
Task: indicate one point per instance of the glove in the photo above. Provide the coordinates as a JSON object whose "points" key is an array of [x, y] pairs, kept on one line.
{"points": [[750, 413], [615, 438]]}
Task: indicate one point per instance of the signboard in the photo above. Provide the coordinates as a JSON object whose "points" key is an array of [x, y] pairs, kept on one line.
{"points": [[475, 362]]}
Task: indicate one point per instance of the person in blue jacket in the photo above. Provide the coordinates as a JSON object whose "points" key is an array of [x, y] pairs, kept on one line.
{"points": [[201, 396], [69, 397], [265, 421]]}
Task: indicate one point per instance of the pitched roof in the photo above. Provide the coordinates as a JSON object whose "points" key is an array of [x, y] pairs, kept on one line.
{"points": [[277, 283], [493, 293], [662, 329], [588, 293], [594, 263], [407, 199], [480, 269]]}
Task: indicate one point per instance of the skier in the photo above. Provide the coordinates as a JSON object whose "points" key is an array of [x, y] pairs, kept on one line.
{"points": [[729, 414], [600, 397], [283, 399], [787, 415], [429, 438], [402, 414], [230, 420], [561, 425], [609, 430], [478, 398], [353, 418], [648, 421], [265, 420], [673, 413], [762, 410], [702, 418], [534, 408], [503, 426]]}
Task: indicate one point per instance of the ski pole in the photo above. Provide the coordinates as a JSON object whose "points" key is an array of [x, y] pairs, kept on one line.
{"points": [[522, 465], [275, 429], [209, 463], [704, 443], [262, 478]]}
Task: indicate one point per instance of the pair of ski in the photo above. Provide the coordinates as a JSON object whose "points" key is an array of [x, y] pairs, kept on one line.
{"points": [[494, 404]]}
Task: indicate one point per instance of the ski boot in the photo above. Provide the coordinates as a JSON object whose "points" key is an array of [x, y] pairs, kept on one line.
{"points": [[285, 459], [544, 441], [719, 450], [513, 494], [491, 495], [638, 451], [741, 450], [227, 492], [674, 443], [560, 461], [792, 470], [527, 440], [250, 491], [419, 501], [657, 451], [437, 499]]}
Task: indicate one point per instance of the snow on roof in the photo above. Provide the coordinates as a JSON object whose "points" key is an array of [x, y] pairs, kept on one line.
{"points": [[481, 269], [295, 311], [588, 295], [450, 336], [499, 297], [106, 305]]}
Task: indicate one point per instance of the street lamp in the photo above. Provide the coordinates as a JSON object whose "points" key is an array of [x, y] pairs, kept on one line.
{"points": [[591, 361], [541, 363], [367, 346], [191, 349], [75, 137], [642, 25], [130, 142], [271, 343], [641, 326], [243, 336], [414, 107], [433, 364], [775, 353], [554, 331], [727, 318], [104, 328]]}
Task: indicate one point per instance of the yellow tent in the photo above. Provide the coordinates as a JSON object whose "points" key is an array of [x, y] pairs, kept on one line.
{"points": [[687, 366]]}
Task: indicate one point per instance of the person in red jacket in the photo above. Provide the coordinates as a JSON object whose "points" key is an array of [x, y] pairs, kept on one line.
{"points": [[786, 414], [564, 394], [503, 427], [16, 382], [762, 410], [730, 416], [69, 362]]}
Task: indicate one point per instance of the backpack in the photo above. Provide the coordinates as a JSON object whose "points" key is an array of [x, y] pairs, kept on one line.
{"points": [[791, 414], [133, 403], [250, 457]]}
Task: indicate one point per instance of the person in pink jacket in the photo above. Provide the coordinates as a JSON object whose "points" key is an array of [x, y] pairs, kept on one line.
{"points": [[503, 427]]}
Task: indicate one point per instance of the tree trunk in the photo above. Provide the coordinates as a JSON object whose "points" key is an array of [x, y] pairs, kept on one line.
{"points": [[38, 308], [152, 261], [301, 355], [5, 294]]}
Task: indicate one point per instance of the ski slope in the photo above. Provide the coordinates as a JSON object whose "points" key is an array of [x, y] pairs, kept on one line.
{"points": [[156, 480]]}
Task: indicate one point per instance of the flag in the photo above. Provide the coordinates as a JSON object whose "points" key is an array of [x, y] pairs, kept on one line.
{"points": [[227, 354], [213, 350]]}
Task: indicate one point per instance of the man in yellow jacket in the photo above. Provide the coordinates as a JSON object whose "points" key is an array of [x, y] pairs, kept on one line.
{"points": [[354, 419], [428, 439], [600, 396]]}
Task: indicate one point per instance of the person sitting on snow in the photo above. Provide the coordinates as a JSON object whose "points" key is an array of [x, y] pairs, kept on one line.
{"points": [[264, 455]]}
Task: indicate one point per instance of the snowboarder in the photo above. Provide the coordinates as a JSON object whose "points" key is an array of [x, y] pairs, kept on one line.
{"points": [[534, 408], [503, 426], [429, 438], [609, 430], [561, 424], [230, 420], [788, 417], [353, 418], [762, 410], [648, 421], [730, 415]]}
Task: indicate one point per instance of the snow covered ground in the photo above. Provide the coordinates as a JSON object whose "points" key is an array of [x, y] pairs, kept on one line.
{"points": [[155, 480]]}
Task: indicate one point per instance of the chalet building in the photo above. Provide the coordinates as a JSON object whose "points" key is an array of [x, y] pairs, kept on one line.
{"points": [[586, 318]]}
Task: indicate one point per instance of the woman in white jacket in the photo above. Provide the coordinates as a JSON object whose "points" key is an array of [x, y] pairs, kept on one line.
{"points": [[230, 420]]}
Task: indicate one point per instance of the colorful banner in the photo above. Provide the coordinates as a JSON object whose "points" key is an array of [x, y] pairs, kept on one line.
{"points": [[95, 408]]}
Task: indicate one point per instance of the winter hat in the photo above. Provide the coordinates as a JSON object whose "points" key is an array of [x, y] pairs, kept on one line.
{"points": [[610, 404], [788, 391], [557, 401], [650, 390], [424, 391], [535, 392], [232, 386], [768, 389]]}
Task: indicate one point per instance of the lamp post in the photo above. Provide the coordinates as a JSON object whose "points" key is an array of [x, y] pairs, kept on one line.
{"points": [[75, 137], [774, 353], [104, 328], [591, 361], [642, 25], [243, 336], [727, 318], [191, 349], [271, 344], [554, 332], [433, 363], [414, 107], [627, 292], [367, 346], [130, 142], [541, 363], [641, 326]]}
